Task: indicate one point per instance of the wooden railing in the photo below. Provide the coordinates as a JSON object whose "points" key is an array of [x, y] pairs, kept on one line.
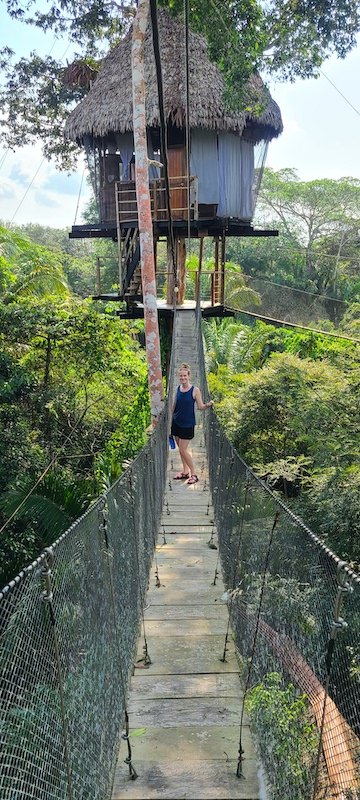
{"points": [[126, 204]]}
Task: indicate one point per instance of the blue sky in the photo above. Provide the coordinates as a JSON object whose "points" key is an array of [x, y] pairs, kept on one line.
{"points": [[321, 136]]}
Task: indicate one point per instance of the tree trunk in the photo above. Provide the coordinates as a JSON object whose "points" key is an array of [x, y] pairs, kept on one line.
{"points": [[152, 338]]}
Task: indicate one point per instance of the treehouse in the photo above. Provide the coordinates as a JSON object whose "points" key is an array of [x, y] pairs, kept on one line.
{"points": [[227, 148]]}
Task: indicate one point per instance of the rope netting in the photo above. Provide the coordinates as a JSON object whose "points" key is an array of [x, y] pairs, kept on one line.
{"points": [[69, 628], [285, 303], [295, 613]]}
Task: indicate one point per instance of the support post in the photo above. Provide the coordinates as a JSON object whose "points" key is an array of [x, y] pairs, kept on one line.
{"points": [[216, 271], [144, 211], [222, 293], [181, 260], [170, 277], [98, 280]]}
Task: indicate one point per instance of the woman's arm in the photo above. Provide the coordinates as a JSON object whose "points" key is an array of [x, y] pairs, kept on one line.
{"points": [[199, 401]]}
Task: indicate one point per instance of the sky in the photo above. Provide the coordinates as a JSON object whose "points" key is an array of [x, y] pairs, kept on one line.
{"points": [[321, 137]]}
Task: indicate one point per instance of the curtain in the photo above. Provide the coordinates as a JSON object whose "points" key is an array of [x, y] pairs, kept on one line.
{"points": [[154, 172], [125, 144], [229, 175], [203, 163], [247, 179], [236, 175]]}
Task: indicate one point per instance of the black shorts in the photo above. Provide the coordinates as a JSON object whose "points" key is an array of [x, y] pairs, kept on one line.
{"points": [[182, 433]]}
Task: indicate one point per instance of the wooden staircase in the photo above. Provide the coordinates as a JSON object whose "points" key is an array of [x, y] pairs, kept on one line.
{"points": [[130, 264]]}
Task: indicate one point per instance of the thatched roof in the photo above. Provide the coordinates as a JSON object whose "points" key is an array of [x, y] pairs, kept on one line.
{"points": [[108, 105]]}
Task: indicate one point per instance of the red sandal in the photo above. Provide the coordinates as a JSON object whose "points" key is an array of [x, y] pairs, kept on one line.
{"points": [[181, 476], [192, 479]]}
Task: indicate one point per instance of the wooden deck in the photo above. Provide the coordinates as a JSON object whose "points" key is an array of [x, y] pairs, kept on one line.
{"points": [[185, 708]]}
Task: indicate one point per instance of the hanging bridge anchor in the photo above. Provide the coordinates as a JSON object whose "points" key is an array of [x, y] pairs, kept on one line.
{"points": [[128, 760], [157, 579], [145, 660], [239, 770], [213, 546], [223, 658]]}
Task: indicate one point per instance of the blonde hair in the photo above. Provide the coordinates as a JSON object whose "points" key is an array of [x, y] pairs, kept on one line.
{"points": [[185, 366]]}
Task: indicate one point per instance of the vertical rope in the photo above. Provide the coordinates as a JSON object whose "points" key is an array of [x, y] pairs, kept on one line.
{"points": [[236, 561], [150, 462], [47, 597], [163, 129], [146, 658], [187, 127], [104, 531], [239, 773]]}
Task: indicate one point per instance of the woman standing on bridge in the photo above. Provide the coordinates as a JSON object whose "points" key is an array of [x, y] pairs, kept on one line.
{"points": [[183, 422]]}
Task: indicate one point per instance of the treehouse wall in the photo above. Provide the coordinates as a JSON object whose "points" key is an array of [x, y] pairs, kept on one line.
{"points": [[222, 162]]}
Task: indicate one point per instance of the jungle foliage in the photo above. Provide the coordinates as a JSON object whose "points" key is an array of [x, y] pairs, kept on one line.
{"points": [[318, 244], [286, 736], [289, 402], [73, 395]]}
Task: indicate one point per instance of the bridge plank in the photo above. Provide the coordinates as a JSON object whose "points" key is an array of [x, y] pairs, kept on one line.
{"points": [[185, 627], [178, 655], [215, 780], [175, 686], [189, 712], [179, 611], [196, 592], [190, 743]]}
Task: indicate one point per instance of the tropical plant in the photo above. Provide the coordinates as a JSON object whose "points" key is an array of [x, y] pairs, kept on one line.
{"points": [[286, 737], [28, 269]]}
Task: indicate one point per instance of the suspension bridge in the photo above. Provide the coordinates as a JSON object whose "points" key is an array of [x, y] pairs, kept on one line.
{"points": [[130, 647]]}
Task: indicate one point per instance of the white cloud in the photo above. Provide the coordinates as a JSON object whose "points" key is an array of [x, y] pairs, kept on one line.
{"points": [[34, 191]]}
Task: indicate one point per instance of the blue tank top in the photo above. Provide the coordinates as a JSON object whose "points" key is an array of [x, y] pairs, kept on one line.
{"points": [[184, 414]]}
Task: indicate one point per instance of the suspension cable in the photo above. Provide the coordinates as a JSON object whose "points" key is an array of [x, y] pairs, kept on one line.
{"points": [[285, 324], [187, 126], [163, 129]]}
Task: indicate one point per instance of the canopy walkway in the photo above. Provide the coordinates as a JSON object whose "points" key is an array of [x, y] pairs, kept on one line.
{"points": [[75, 622]]}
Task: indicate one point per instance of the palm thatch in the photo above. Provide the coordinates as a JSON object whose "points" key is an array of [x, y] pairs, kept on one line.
{"points": [[79, 73], [108, 106]]}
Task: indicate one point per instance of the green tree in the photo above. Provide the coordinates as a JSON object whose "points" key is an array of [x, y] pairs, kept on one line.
{"points": [[68, 375], [288, 39], [286, 736], [319, 222], [28, 269], [294, 416]]}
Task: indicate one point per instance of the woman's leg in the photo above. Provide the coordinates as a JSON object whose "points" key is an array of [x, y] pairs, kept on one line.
{"points": [[188, 464], [185, 468]]}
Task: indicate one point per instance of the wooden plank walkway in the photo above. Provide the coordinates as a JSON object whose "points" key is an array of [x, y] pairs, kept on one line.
{"points": [[184, 710]]}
